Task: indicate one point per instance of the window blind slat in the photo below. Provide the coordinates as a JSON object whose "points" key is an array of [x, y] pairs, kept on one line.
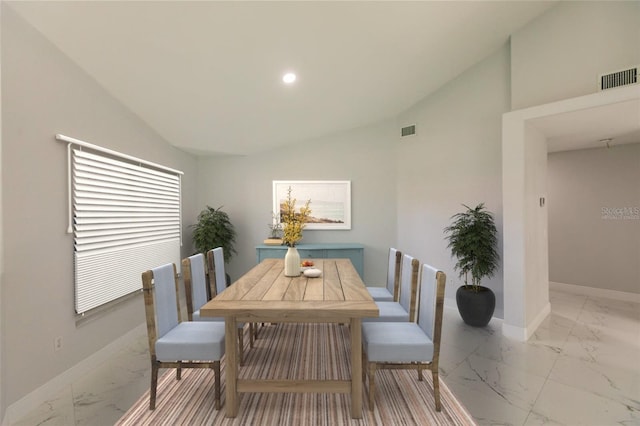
{"points": [[130, 225], [116, 234], [101, 246], [122, 184], [101, 236], [88, 156]]}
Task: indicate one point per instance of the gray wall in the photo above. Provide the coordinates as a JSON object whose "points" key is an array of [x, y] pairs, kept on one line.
{"points": [[454, 159], [366, 157], [585, 248], [44, 93], [561, 54]]}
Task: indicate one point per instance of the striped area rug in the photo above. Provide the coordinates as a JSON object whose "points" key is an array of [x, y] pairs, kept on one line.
{"points": [[297, 351]]}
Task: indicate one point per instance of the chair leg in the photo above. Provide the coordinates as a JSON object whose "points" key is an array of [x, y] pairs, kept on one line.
{"points": [[241, 346], [372, 384], [364, 367], [436, 389], [179, 371], [216, 386], [420, 371], [251, 336], [154, 386]]}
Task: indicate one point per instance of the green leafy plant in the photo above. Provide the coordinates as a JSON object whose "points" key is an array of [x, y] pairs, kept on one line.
{"points": [[472, 238], [214, 229]]}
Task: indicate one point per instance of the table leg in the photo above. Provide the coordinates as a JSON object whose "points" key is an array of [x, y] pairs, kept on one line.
{"points": [[356, 368], [231, 367]]}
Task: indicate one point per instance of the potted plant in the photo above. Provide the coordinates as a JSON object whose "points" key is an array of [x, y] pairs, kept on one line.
{"points": [[472, 238], [214, 229], [275, 231], [294, 222]]}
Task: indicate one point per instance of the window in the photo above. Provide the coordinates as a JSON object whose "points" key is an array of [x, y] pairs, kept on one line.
{"points": [[126, 220]]}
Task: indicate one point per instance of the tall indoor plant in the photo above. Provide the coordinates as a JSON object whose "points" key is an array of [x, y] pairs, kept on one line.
{"points": [[473, 240], [214, 229]]}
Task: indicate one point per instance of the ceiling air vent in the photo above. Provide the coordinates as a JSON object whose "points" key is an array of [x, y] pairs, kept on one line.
{"points": [[409, 130], [619, 78]]}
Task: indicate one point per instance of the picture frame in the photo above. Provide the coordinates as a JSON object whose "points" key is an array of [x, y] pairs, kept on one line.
{"points": [[330, 201]]}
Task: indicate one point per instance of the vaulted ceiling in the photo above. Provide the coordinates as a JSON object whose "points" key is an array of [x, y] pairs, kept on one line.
{"points": [[207, 75]]}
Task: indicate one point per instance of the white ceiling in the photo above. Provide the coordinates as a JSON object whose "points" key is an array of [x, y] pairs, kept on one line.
{"points": [[617, 124], [206, 75]]}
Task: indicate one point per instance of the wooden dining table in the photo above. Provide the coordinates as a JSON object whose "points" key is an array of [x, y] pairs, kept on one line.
{"points": [[265, 295]]}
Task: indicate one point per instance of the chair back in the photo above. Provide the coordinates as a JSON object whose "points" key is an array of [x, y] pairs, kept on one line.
{"points": [[195, 283], [198, 280], [431, 303], [215, 260], [409, 285], [161, 296], [393, 272]]}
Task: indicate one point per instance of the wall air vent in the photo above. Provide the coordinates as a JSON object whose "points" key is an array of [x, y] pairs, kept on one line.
{"points": [[409, 130], [619, 78]]}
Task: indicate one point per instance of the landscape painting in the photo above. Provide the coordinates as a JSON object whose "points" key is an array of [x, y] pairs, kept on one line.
{"points": [[330, 201]]}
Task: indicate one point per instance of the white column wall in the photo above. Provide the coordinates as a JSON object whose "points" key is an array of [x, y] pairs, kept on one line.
{"points": [[514, 224], [525, 223], [536, 247]]}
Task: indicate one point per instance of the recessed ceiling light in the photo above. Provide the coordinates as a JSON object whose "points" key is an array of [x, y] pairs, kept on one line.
{"points": [[289, 78]]}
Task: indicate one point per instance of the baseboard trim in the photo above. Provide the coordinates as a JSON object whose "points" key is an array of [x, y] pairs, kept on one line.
{"points": [[31, 401], [522, 334], [595, 292]]}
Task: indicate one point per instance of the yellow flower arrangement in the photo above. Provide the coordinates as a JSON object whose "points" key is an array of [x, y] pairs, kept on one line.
{"points": [[294, 222]]}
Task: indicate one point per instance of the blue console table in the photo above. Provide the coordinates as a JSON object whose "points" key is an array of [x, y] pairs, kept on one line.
{"points": [[352, 251]]}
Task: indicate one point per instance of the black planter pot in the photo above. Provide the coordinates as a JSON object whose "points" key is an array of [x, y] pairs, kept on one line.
{"points": [[476, 308]]}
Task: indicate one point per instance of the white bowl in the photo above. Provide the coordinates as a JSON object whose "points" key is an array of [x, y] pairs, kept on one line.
{"points": [[312, 273]]}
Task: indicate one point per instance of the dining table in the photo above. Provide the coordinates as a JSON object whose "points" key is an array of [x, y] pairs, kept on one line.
{"points": [[265, 295]]}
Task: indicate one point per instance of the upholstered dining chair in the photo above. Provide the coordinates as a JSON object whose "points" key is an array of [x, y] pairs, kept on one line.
{"points": [[174, 343], [196, 284], [408, 345], [199, 289], [405, 308], [217, 284], [390, 292]]}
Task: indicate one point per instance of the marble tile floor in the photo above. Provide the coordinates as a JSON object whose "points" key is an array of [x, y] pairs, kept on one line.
{"points": [[582, 367]]}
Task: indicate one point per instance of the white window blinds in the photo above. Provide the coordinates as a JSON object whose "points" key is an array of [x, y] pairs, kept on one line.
{"points": [[126, 220]]}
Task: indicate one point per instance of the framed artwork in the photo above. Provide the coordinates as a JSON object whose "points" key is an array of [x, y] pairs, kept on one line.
{"points": [[330, 201]]}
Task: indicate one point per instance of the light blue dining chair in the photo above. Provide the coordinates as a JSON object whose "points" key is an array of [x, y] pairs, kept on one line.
{"points": [[405, 308], [199, 290], [408, 345], [390, 292], [218, 281], [196, 285], [174, 343]]}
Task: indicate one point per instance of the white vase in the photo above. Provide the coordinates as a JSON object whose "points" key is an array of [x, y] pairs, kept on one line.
{"points": [[292, 262]]}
